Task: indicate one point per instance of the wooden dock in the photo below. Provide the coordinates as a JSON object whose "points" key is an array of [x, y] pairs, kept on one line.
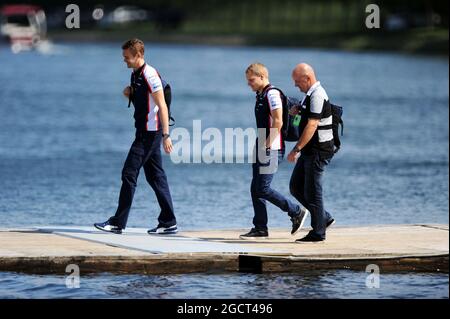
{"points": [[391, 247]]}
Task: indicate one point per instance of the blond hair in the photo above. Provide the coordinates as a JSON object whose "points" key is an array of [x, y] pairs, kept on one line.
{"points": [[258, 69], [135, 46]]}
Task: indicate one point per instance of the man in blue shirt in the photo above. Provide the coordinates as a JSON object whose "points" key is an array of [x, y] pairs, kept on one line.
{"points": [[152, 127]]}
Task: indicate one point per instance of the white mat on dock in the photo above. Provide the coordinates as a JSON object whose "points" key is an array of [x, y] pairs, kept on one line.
{"points": [[138, 239]]}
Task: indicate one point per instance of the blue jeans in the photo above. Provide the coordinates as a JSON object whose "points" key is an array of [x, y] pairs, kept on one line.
{"points": [[306, 187], [261, 192], [145, 152]]}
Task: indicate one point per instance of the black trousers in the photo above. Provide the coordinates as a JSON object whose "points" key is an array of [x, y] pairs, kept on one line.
{"points": [[306, 187], [145, 152]]}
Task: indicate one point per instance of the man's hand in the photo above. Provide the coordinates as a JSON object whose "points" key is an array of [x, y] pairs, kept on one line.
{"points": [[127, 91], [167, 144], [294, 110], [292, 157]]}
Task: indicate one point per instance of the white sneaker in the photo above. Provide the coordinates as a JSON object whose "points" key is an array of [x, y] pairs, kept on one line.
{"points": [[160, 230]]}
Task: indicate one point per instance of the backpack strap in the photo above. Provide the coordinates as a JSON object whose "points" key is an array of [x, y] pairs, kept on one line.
{"points": [[130, 97], [283, 97]]}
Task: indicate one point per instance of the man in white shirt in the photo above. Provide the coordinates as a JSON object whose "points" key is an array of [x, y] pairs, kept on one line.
{"points": [[315, 147]]}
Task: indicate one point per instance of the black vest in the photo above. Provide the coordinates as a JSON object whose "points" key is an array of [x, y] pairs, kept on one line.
{"points": [[140, 99], [262, 112], [324, 149]]}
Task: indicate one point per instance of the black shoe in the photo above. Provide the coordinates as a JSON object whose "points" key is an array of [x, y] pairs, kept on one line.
{"points": [[330, 222], [255, 234], [297, 221], [106, 226], [309, 239], [160, 230]]}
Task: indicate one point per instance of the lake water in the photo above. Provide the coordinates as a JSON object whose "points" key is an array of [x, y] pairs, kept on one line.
{"points": [[65, 132]]}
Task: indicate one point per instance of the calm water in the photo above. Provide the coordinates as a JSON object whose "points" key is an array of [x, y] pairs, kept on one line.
{"points": [[65, 132], [325, 284]]}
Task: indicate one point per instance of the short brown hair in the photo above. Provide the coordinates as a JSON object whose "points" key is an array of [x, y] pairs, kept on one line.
{"points": [[135, 46], [258, 69]]}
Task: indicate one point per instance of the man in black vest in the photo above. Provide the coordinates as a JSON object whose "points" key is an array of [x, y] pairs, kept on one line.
{"points": [[152, 129], [269, 150], [316, 148]]}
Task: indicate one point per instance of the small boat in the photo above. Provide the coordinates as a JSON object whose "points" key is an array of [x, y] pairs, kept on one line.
{"points": [[24, 26]]}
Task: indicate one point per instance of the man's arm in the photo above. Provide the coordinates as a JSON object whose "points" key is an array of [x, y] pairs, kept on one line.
{"points": [[276, 112], [316, 108], [306, 136], [158, 97], [308, 133], [277, 124]]}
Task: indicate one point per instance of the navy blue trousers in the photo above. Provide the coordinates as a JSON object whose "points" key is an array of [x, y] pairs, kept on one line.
{"points": [[145, 152], [261, 192], [306, 187]]}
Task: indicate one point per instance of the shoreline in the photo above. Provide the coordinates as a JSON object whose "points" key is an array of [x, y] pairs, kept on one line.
{"points": [[420, 42]]}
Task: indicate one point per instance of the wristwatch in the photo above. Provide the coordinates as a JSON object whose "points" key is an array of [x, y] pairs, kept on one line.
{"points": [[296, 150], [165, 136]]}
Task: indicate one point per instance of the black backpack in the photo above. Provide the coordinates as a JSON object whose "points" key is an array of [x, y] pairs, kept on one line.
{"points": [[167, 97], [290, 131], [291, 128], [336, 113]]}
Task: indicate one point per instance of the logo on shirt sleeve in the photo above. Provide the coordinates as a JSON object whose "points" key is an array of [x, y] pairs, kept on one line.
{"points": [[275, 101], [156, 86], [156, 83]]}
